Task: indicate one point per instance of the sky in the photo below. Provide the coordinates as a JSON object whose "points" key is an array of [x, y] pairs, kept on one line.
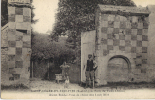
{"points": [[45, 11]]}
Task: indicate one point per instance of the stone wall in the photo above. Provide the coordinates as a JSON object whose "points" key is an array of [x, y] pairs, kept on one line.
{"points": [[151, 46], [123, 31], [18, 48]]}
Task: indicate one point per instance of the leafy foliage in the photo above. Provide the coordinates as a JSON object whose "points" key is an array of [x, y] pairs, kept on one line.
{"points": [[43, 48], [76, 16], [4, 12]]}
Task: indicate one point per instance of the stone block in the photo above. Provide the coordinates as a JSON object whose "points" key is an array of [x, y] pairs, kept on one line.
{"points": [[122, 25], [110, 36], [19, 18], [139, 37], [133, 37], [11, 64], [139, 32], [11, 51], [116, 31], [122, 42], [105, 52], [117, 18], [104, 47], [122, 18], [26, 19], [122, 48], [144, 55], [11, 71], [144, 43], [105, 24], [11, 37], [128, 49], [19, 43], [11, 10], [133, 49], [19, 64], [12, 43], [22, 26], [134, 31], [18, 51], [133, 43], [140, 25], [11, 18], [139, 43], [128, 25], [4, 58], [12, 25], [144, 49], [110, 42], [4, 66], [145, 25], [26, 11], [18, 11], [128, 31], [143, 70], [122, 37], [111, 24], [139, 50], [127, 37], [18, 58], [19, 38], [110, 30], [145, 32], [4, 51], [104, 30], [116, 42], [134, 19], [116, 36], [110, 47], [134, 25], [11, 57], [26, 38], [116, 24], [111, 17]]}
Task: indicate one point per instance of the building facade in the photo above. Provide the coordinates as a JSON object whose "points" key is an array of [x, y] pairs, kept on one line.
{"points": [[122, 44], [16, 43]]}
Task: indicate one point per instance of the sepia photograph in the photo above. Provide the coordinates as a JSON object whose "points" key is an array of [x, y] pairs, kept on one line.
{"points": [[77, 49]]}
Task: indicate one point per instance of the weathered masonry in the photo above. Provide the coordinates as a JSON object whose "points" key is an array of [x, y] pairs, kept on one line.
{"points": [[122, 40], [16, 43]]}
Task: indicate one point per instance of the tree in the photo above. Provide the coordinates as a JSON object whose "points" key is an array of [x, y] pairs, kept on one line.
{"points": [[76, 16], [43, 48]]}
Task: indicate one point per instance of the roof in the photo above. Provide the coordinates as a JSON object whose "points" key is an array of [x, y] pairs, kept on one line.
{"points": [[125, 9]]}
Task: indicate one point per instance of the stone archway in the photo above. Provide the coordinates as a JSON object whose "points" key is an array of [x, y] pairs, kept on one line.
{"points": [[118, 69]]}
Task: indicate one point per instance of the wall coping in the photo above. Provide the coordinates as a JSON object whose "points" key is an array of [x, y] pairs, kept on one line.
{"points": [[124, 9]]}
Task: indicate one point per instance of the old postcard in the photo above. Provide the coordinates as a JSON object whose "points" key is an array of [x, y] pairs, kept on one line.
{"points": [[77, 49]]}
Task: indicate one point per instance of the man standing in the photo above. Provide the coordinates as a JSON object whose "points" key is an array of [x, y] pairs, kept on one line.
{"points": [[90, 71]]}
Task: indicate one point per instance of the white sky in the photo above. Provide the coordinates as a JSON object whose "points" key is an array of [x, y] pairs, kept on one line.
{"points": [[46, 9]]}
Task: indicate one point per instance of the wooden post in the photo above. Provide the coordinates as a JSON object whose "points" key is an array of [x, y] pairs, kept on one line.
{"points": [[48, 70], [32, 69]]}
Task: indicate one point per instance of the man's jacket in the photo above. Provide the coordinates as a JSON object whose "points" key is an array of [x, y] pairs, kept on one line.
{"points": [[90, 65]]}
